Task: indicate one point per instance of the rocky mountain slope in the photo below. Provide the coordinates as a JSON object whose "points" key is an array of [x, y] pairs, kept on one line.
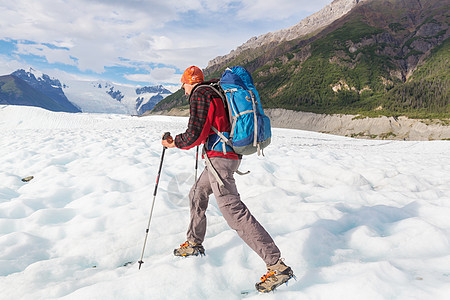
{"points": [[16, 91], [309, 25], [50, 87], [149, 96]]}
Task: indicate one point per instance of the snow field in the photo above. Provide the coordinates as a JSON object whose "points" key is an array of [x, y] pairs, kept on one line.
{"points": [[355, 219]]}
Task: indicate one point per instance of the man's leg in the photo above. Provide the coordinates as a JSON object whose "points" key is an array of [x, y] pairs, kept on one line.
{"points": [[238, 215], [199, 197]]}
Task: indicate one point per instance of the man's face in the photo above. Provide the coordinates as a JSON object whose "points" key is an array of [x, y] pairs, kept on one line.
{"points": [[187, 88]]}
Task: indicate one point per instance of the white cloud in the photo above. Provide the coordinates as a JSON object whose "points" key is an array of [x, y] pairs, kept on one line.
{"points": [[162, 42], [52, 55], [219, 6], [140, 77], [94, 34], [7, 65], [162, 74], [157, 76], [278, 10]]}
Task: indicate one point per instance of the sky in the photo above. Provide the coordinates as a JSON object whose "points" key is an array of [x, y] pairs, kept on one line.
{"points": [[134, 42]]}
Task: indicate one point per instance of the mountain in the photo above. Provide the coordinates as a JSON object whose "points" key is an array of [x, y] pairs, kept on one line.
{"points": [[103, 96], [313, 23], [50, 87], [16, 91], [34, 88], [383, 57], [149, 96]]}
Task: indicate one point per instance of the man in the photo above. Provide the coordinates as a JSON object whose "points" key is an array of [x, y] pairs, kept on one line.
{"points": [[207, 110]]}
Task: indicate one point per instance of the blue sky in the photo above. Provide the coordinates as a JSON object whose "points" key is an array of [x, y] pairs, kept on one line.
{"points": [[134, 42]]}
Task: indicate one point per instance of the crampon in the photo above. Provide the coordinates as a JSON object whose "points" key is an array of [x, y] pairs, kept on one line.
{"points": [[275, 276], [189, 249]]}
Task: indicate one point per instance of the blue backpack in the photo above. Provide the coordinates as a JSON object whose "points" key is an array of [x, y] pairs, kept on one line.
{"points": [[250, 127]]}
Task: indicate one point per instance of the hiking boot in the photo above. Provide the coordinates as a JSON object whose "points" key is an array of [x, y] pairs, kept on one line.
{"points": [[189, 249], [276, 275]]}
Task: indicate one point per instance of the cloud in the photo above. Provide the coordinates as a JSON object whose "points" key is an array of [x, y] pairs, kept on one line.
{"points": [[81, 25], [8, 65], [93, 35], [278, 10], [52, 54], [162, 74], [157, 76], [139, 77]]}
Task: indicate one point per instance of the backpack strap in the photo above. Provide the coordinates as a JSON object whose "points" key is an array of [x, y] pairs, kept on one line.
{"points": [[214, 172], [211, 168], [218, 90], [255, 136], [222, 137], [227, 107], [242, 173]]}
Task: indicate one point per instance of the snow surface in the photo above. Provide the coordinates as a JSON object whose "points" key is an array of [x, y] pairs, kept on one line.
{"points": [[355, 219]]}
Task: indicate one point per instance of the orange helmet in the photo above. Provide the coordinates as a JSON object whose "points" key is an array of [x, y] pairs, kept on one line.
{"points": [[192, 75]]}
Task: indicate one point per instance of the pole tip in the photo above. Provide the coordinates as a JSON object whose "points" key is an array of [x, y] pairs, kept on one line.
{"points": [[140, 263]]}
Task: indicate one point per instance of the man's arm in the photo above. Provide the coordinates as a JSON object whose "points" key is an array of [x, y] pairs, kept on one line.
{"points": [[200, 120]]}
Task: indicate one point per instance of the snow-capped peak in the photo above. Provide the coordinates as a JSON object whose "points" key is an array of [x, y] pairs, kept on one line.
{"points": [[99, 96], [37, 74]]}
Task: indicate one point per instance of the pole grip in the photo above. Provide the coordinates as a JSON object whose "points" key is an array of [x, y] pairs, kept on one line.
{"points": [[167, 137]]}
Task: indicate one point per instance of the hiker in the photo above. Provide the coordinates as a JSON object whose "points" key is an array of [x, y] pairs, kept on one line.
{"points": [[207, 110]]}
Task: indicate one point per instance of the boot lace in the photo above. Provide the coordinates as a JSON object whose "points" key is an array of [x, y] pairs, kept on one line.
{"points": [[184, 245], [267, 275]]}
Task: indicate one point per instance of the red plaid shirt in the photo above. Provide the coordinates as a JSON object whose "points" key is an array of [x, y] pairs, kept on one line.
{"points": [[206, 110]]}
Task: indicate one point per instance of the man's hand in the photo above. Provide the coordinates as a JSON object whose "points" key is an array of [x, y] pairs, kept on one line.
{"points": [[167, 141]]}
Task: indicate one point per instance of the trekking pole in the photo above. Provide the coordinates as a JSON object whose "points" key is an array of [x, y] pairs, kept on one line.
{"points": [[169, 138], [196, 164]]}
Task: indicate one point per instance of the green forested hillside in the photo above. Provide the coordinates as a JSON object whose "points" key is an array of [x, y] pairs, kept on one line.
{"points": [[428, 91]]}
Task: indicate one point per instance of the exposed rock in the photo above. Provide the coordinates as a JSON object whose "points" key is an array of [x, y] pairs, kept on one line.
{"points": [[421, 45], [27, 179], [429, 29]]}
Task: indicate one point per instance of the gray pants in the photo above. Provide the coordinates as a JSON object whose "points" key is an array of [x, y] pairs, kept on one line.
{"points": [[233, 210]]}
